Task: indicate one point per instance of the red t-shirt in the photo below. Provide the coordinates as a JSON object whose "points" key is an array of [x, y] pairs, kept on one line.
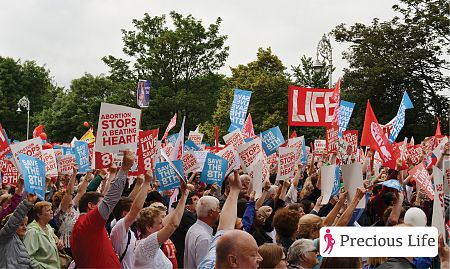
{"points": [[171, 253], [90, 244]]}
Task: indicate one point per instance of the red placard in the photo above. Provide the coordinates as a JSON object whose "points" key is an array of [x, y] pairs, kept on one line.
{"points": [[351, 137], [310, 107], [103, 160], [10, 173], [147, 150], [332, 138]]}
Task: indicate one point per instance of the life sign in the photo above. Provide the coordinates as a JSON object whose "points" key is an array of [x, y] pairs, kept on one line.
{"points": [[310, 107]]}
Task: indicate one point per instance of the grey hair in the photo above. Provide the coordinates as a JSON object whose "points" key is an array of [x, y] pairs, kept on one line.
{"points": [[205, 204], [299, 248]]}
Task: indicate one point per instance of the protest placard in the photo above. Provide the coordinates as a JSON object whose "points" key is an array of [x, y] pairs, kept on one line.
{"points": [[238, 109], [58, 152], [4, 145], [247, 129], [177, 152], [51, 165], [310, 107], [214, 170], [345, 113], [65, 164], [10, 173], [102, 160], [423, 179], [33, 171], [89, 136], [332, 138], [437, 151], [172, 138], [250, 153], [271, 140], [31, 147], [352, 175], [190, 163], [319, 146], [201, 157], [256, 174], [286, 162], [438, 219], [189, 145], [147, 150], [143, 93], [195, 137], [400, 118], [168, 175], [117, 129], [328, 176], [234, 138], [230, 154], [351, 137], [81, 151], [414, 154]]}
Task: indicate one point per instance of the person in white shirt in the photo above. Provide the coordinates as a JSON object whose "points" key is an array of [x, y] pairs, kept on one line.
{"points": [[155, 229], [199, 236], [122, 238]]}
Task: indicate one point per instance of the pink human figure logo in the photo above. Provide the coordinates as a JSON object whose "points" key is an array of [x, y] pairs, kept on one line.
{"points": [[328, 237]]}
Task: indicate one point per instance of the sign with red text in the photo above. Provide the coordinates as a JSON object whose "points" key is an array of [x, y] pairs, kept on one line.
{"points": [[414, 154], [286, 162], [190, 163], [250, 153], [195, 137], [299, 144], [146, 152], [117, 129], [310, 107], [51, 165], [332, 138], [320, 146], [201, 157], [438, 219], [31, 147], [230, 154], [10, 173], [234, 138], [420, 174], [351, 137], [102, 160], [66, 163]]}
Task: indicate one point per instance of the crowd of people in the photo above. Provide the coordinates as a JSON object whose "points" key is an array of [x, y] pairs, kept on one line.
{"points": [[105, 220]]}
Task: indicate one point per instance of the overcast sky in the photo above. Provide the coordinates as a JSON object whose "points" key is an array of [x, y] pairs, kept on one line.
{"points": [[71, 37]]}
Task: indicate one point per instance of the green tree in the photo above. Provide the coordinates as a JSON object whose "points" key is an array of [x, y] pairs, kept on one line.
{"points": [[19, 79], [268, 81], [409, 52], [304, 74], [181, 62], [64, 119]]}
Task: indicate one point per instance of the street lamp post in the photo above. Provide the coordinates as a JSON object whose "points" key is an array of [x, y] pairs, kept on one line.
{"points": [[25, 103], [325, 50]]}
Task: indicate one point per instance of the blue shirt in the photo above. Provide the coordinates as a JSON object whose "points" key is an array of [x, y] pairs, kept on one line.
{"points": [[209, 260]]}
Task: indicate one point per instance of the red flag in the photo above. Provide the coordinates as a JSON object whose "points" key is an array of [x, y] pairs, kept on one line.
{"points": [[336, 97], [4, 146], [294, 134], [38, 130], [172, 124], [247, 129], [374, 137], [438, 128]]}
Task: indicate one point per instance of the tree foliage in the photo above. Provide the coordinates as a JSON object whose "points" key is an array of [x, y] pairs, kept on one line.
{"points": [[18, 79], [304, 74], [181, 63], [410, 53]]}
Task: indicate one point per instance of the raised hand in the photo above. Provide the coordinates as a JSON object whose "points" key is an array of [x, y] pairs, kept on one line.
{"points": [[235, 182], [128, 160]]}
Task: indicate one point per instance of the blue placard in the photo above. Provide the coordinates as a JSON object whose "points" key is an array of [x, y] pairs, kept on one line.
{"points": [[33, 171], [400, 118], [82, 156], [393, 184], [337, 182], [345, 113], [67, 151], [303, 155], [214, 169], [238, 110], [172, 139], [271, 140], [167, 176], [143, 93], [189, 145]]}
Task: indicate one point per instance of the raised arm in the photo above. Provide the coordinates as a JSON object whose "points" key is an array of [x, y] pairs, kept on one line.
{"points": [[396, 209], [138, 202], [9, 230], [329, 219], [113, 195], [348, 213], [67, 198], [261, 199], [15, 199], [175, 216], [229, 210], [137, 187], [82, 188]]}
